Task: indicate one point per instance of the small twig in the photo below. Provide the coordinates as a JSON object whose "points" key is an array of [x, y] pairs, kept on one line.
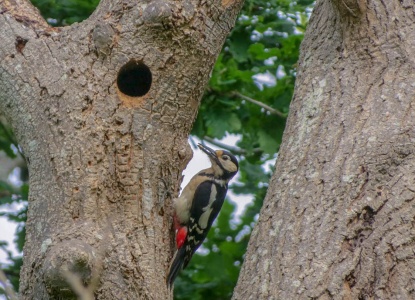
{"points": [[75, 282], [10, 294], [264, 106], [234, 150], [349, 9], [87, 292], [102, 249]]}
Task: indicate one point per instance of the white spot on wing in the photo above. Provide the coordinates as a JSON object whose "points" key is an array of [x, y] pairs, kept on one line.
{"points": [[199, 231], [204, 218]]}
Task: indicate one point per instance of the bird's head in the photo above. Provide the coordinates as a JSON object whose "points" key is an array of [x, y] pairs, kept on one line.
{"points": [[224, 164]]}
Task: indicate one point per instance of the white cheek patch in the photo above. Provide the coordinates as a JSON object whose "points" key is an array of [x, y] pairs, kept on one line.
{"points": [[229, 166], [204, 218]]}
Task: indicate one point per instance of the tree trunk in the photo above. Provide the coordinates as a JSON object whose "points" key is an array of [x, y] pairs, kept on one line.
{"points": [[102, 110], [338, 219]]}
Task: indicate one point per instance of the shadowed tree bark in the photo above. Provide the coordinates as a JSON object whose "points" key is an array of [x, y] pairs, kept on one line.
{"points": [[102, 110], [338, 219]]}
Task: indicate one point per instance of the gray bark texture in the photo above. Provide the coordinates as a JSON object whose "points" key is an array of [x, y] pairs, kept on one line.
{"points": [[103, 165], [338, 218]]}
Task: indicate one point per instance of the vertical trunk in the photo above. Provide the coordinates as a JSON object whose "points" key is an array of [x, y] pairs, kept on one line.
{"points": [[337, 222], [102, 110]]}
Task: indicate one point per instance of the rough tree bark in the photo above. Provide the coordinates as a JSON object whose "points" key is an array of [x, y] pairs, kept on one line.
{"points": [[338, 219], [102, 110]]}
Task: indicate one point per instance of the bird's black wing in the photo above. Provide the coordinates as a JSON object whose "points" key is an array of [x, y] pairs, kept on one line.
{"points": [[210, 197]]}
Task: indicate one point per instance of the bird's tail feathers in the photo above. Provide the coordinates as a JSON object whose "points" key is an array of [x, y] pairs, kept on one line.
{"points": [[176, 266]]}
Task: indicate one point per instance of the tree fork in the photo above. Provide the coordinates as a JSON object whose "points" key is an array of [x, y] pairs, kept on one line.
{"points": [[102, 110]]}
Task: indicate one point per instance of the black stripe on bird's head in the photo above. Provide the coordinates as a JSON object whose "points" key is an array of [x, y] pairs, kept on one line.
{"points": [[224, 163]]}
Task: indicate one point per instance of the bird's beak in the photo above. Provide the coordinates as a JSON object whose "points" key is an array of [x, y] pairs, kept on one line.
{"points": [[209, 151]]}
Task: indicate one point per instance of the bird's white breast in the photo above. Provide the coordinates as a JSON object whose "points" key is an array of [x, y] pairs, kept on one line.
{"points": [[182, 207]]}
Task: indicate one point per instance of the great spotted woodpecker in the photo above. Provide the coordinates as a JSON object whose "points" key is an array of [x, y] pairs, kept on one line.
{"points": [[198, 206]]}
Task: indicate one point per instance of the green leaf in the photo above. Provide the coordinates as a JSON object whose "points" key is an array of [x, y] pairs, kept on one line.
{"points": [[267, 143], [259, 52], [7, 140], [238, 45], [234, 123]]}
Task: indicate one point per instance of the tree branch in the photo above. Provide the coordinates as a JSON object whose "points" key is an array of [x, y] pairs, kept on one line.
{"points": [[10, 294], [84, 293], [234, 150], [23, 11], [264, 106]]}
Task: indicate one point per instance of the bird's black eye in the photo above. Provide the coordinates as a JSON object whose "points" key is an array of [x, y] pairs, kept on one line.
{"points": [[225, 157]]}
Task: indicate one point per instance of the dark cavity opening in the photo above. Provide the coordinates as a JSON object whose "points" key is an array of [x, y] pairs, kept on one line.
{"points": [[134, 79]]}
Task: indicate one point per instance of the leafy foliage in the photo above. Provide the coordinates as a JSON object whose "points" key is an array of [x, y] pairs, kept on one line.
{"points": [[65, 12], [264, 44], [12, 194], [257, 64], [7, 140]]}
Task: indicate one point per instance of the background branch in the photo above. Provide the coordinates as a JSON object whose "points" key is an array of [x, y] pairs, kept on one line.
{"points": [[10, 294], [264, 106], [233, 149]]}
